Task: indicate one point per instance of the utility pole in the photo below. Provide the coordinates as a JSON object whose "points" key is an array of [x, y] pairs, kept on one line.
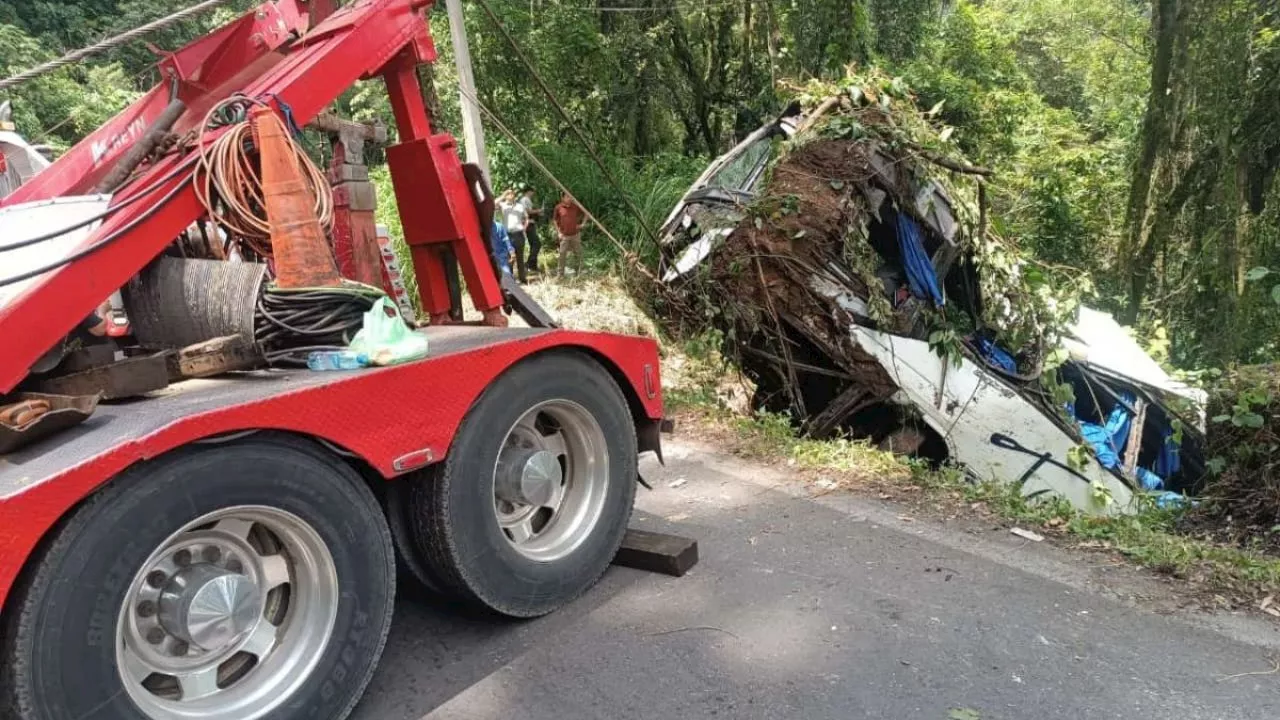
{"points": [[472, 130]]}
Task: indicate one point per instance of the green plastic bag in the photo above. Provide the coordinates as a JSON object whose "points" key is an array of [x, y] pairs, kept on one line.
{"points": [[386, 338]]}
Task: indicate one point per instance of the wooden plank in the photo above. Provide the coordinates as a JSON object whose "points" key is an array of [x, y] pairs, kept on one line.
{"points": [[214, 357], [125, 378], [853, 399], [1134, 442], [657, 552]]}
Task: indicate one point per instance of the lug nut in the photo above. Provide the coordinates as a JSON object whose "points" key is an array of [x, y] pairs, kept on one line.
{"points": [[155, 636], [180, 648], [182, 558], [146, 608], [212, 554], [156, 578]]}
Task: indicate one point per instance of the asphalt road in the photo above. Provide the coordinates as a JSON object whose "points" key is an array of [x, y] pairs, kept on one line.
{"points": [[831, 607]]}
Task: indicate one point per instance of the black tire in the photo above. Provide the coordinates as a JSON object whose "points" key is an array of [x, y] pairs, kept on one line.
{"points": [[455, 530], [59, 654]]}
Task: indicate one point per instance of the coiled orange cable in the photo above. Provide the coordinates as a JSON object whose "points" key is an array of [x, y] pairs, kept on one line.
{"points": [[229, 185]]}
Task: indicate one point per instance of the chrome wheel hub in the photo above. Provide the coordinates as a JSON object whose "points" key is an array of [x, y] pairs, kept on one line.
{"points": [[209, 607], [228, 617], [528, 477], [550, 480]]}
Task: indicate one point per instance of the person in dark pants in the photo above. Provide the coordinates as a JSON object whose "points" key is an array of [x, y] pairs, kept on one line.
{"points": [[531, 231]]}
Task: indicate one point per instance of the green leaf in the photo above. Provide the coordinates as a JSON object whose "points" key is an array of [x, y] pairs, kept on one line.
{"points": [[1257, 273], [837, 184], [1100, 494], [1251, 420], [964, 714], [1216, 465], [1221, 418], [1275, 294]]}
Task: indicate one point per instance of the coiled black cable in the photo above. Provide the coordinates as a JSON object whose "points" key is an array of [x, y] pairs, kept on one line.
{"points": [[291, 324]]}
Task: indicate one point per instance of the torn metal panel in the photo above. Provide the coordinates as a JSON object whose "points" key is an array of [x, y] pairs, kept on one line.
{"points": [[996, 433]]}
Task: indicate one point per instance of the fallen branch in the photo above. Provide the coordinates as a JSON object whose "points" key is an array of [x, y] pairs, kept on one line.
{"points": [[955, 165], [797, 399], [817, 113]]}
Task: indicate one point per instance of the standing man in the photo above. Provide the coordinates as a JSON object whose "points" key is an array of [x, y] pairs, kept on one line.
{"points": [[515, 217], [531, 230], [568, 219]]}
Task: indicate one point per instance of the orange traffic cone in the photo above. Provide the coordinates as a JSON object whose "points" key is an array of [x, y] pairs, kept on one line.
{"points": [[301, 254]]}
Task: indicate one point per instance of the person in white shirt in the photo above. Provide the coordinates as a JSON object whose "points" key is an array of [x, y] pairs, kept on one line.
{"points": [[515, 217]]}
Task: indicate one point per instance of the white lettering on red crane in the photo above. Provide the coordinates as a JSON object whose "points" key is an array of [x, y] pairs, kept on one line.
{"points": [[110, 145]]}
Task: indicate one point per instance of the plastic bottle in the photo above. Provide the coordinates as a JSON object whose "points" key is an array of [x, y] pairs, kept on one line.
{"points": [[337, 360]]}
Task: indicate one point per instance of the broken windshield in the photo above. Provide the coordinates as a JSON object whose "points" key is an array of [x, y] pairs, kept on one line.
{"points": [[741, 172]]}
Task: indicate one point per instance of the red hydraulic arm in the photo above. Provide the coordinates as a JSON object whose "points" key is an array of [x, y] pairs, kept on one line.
{"points": [[274, 53]]}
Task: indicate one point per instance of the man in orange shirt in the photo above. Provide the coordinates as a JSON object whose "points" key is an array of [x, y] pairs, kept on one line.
{"points": [[568, 219]]}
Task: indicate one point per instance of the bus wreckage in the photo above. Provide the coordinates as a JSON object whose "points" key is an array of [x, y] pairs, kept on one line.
{"points": [[845, 257]]}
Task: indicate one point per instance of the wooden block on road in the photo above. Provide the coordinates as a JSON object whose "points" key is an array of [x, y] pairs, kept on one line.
{"points": [[657, 552]]}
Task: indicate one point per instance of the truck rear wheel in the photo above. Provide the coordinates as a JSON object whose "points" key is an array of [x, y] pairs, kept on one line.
{"points": [[532, 502], [223, 583]]}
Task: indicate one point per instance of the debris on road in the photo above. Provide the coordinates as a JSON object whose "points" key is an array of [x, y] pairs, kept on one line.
{"points": [[1268, 606], [1027, 534]]}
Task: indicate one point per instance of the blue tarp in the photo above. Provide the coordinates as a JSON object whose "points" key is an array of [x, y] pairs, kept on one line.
{"points": [[920, 274], [995, 354], [1168, 462], [1108, 442]]}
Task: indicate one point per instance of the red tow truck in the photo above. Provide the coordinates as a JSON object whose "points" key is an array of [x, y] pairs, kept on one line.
{"points": [[227, 548]]}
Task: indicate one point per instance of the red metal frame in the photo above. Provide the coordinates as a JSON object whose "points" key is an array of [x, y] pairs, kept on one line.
{"points": [[269, 53]]}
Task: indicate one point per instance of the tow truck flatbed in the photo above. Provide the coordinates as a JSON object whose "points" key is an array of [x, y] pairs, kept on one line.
{"points": [[348, 409]]}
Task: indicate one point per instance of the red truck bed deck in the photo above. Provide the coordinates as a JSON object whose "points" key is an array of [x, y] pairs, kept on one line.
{"points": [[124, 422]]}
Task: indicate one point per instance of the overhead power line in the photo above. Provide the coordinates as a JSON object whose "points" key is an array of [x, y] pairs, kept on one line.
{"points": [[110, 43], [685, 6], [564, 115], [711, 5], [533, 158]]}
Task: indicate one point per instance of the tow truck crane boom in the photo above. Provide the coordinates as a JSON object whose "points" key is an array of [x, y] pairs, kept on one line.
{"points": [[272, 53]]}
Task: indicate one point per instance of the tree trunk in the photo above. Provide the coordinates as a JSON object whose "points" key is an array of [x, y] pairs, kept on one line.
{"points": [[697, 79], [1166, 21]]}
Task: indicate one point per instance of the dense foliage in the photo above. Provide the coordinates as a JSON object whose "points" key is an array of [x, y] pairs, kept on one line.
{"points": [[1135, 141]]}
